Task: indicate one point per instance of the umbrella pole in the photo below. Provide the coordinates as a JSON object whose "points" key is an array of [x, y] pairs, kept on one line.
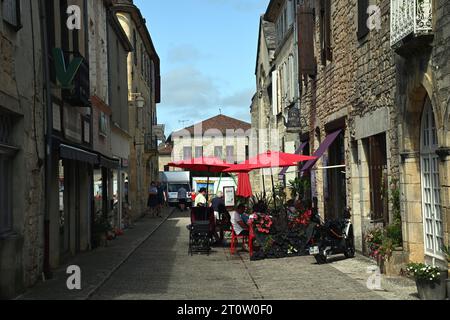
{"points": [[263, 182], [218, 185], [273, 189]]}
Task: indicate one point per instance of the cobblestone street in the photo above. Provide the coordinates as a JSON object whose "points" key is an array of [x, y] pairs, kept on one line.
{"points": [[162, 269]]}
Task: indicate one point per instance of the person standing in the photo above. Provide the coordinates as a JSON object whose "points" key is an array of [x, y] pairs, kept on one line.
{"points": [[182, 198], [200, 199], [161, 199], [216, 203], [153, 201]]}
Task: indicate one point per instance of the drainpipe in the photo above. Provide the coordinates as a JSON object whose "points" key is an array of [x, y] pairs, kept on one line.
{"points": [[48, 137]]}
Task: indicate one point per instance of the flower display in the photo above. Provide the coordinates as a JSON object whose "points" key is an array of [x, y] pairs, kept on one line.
{"points": [[262, 223], [422, 271]]}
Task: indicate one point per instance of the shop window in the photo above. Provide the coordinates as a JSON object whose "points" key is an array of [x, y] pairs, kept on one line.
{"points": [[377, 162]]}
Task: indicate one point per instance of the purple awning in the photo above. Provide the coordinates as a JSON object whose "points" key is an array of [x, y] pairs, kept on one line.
{"points": [[322, 149], [299, 150]]}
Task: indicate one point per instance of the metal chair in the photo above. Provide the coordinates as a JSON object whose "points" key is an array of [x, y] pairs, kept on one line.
{"points": [[200, 231]]}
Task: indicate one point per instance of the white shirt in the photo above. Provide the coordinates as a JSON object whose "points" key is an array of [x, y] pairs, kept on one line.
{"points": [[235, 218], [200, 199]]}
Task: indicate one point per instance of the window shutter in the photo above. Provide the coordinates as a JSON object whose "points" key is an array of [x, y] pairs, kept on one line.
{"points": [[275, 92], [363, 16], [307, 60]]}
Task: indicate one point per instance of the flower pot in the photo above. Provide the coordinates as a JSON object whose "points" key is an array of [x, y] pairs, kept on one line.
{"points": [[433, 290]]}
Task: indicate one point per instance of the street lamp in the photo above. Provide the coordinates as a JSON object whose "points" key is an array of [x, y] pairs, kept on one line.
{"points": [[140, 102]]}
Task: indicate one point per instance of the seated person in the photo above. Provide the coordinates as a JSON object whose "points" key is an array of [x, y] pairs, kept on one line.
{"points": [[240, 227]]}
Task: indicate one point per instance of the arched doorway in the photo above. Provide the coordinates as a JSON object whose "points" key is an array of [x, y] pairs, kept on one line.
{"points": [[431, 188]]}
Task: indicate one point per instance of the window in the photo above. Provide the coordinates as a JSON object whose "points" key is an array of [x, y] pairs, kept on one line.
{"points": [[135, 52], [5, 173], [103, 125], [230, 154], [198, 152], [11, 12], [5, 195], [363, 16], [377, 162], [325, 31], [218, 152], [187, 153]]}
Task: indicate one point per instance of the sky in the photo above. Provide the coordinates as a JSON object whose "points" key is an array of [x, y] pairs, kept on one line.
{"points": [[208, 56]]}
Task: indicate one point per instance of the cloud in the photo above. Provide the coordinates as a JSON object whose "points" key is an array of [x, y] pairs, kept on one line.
{"points": [[188, 87], [241, 98], [184, 53]]}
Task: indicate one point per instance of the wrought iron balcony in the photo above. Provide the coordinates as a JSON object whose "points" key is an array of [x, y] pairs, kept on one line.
{"points": [[79, 94], [151, 144], [411, 20]]}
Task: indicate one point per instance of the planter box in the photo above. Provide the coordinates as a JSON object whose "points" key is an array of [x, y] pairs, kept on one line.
{"points": [[436, 290], [395, 264]]}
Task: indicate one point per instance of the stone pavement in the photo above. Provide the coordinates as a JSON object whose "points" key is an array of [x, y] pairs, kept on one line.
{"points": [[151, 262], [97, 265], [162, 269]]}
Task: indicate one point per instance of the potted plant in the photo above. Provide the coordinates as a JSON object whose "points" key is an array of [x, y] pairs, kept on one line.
{"points": [[374, 241], [430, 281]]}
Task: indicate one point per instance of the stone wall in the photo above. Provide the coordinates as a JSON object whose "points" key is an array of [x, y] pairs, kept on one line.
{"points": [[422, 75], [358, 88], [21, 252]]}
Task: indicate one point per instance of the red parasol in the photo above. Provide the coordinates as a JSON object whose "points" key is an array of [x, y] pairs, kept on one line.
{"points": [[244, 187], [205, 164], [270, 159]]}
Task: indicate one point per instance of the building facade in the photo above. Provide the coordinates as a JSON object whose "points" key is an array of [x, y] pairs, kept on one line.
{"points": [[221, 137], [22, 150], [421, 42], [373, 89], [144, 84]]}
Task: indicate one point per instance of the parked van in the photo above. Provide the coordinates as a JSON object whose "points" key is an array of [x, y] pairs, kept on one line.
{"points": [[174, 181]]}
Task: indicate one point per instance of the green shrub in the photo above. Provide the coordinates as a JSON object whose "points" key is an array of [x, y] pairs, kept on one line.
{"points": [[394, 232]]}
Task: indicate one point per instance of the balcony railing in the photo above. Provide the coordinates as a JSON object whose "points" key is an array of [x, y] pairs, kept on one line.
{"points": [[151, 143], [410, 18]]}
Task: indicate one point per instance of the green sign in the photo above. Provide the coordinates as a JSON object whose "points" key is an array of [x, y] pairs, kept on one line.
{"points": [[64, 74]]}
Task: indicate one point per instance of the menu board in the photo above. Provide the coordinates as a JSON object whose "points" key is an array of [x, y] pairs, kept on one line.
{"points": [[229, 194]]}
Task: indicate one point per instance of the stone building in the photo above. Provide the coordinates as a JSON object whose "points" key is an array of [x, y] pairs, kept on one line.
{"points": [[421, 41], [348, 75], [221, 137], [261, 108], [22, 150], [276, 102], [370, 81], [144, 94]]}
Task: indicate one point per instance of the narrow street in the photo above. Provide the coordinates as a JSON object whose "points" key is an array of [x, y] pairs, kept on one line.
{"points": [[162, 269]]}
